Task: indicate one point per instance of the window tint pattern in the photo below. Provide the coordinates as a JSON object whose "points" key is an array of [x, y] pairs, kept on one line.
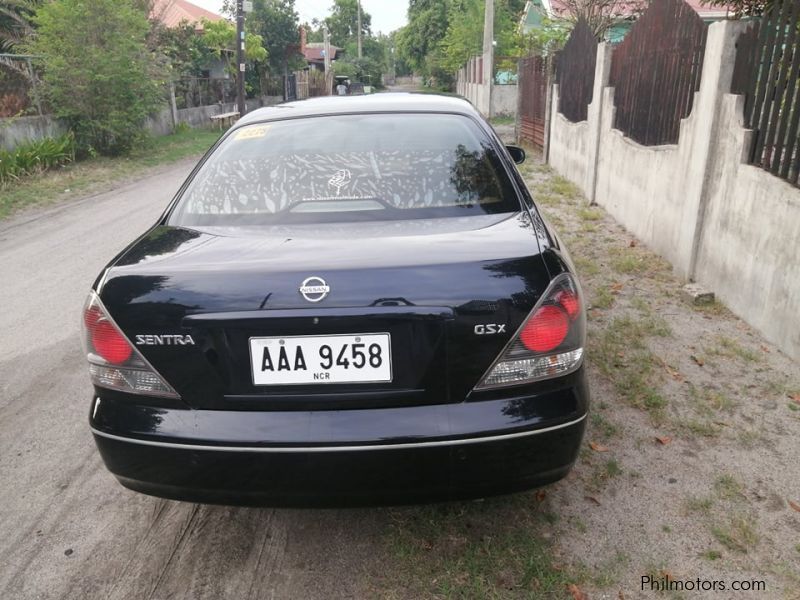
{"points": [[384, 165]]}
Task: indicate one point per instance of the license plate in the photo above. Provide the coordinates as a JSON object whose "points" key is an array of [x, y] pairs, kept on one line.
{"points": [[293, 360]]}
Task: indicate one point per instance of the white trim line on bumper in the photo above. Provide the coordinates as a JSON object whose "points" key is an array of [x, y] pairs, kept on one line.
{"points": [[290, 449]]}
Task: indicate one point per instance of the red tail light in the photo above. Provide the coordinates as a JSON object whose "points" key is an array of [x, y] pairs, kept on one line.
{"points": [[546, 329], [549, 343], [113, 361], [109, 343], [570, 303]]}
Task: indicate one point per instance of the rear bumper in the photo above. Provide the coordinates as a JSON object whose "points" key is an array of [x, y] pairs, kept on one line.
{"points": [[353, 457]]}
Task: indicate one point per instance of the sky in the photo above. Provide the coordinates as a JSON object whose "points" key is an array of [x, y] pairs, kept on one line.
{"points": [[387, 15]]}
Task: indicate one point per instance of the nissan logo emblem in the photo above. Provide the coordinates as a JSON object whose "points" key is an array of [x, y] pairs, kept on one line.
{"points": [[314, 289]]}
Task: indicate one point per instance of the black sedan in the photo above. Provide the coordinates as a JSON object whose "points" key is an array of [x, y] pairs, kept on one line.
{"points": [[349, 301]]}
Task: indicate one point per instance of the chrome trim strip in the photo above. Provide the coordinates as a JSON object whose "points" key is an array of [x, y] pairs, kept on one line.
{"points": [[286, 450]]}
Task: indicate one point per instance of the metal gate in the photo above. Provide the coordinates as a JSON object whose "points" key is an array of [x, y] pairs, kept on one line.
{"points": [[534, 76], [290, 88]]}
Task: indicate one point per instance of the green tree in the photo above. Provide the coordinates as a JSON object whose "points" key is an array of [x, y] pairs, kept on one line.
{"points": [[343, 27], [464, 37], [343, 22], [98, 73], [16, 22], [220, 38], [427, 26], [185, 51], [278, 24]]}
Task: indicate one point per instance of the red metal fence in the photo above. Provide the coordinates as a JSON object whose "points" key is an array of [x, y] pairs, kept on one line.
{"points": [[656, 71], [575, 73], [767, 70], [534, 77]]}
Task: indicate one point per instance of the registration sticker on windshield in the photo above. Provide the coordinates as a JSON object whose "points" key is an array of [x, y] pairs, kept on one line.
{"points": [[250, 133]]}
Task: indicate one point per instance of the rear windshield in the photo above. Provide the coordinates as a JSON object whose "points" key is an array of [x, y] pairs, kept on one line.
{"points": [[354, 167]]}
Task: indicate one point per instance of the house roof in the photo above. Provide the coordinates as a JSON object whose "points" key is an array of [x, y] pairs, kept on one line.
{"points": [[559, 7], [710, 12], [174, 12], [313, 52]]}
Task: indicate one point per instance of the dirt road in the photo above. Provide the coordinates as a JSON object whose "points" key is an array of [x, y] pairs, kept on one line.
{"points": [[67, 529]]}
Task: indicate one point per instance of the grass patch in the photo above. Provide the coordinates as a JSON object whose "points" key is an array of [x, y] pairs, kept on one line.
{"points": [[738, 533], [588, 227], [602, 297], [715, 308], [502, 120], [698, 427], [622, 355], [730, 348], [711, 555], [547, 199], [628, 263], [99, 173], [586, 266], [588, 213], [608, 572], [563, 187], [605, 428], [640, 304], [709, 403], [728, 487], [488, 549], [699, 505]]}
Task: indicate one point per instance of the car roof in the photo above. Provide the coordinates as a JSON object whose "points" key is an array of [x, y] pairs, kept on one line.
{"points": [[377, 103]]}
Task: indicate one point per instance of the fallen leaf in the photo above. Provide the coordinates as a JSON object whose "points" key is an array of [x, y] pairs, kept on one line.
{"points": [[764, 348], [592, 499], [674, 373], [598, 447], [794, 505], [666, 575], [621, 596], [700, 362], [541, 495], [617, 286], [427, 545], [663, 439], [632, 244], [795, 398], [576, 592]]}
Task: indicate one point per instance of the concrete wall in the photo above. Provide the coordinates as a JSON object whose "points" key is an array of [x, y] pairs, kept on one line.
{"points": [[728, 225], [16, 131], [504, 100], [568, 146], [749, 250], [161, 124], [473, 82]]}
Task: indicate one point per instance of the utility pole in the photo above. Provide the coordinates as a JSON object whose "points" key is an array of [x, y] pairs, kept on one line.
{"points": [[240, 100], [488, 56], [358, 2], [327, 50]]}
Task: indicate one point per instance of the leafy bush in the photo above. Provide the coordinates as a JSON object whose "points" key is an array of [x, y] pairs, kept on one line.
{"points": [[98, 74], [35, 157]]}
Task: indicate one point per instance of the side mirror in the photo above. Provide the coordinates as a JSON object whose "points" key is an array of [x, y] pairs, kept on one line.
{"points": [[517, 154]]}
